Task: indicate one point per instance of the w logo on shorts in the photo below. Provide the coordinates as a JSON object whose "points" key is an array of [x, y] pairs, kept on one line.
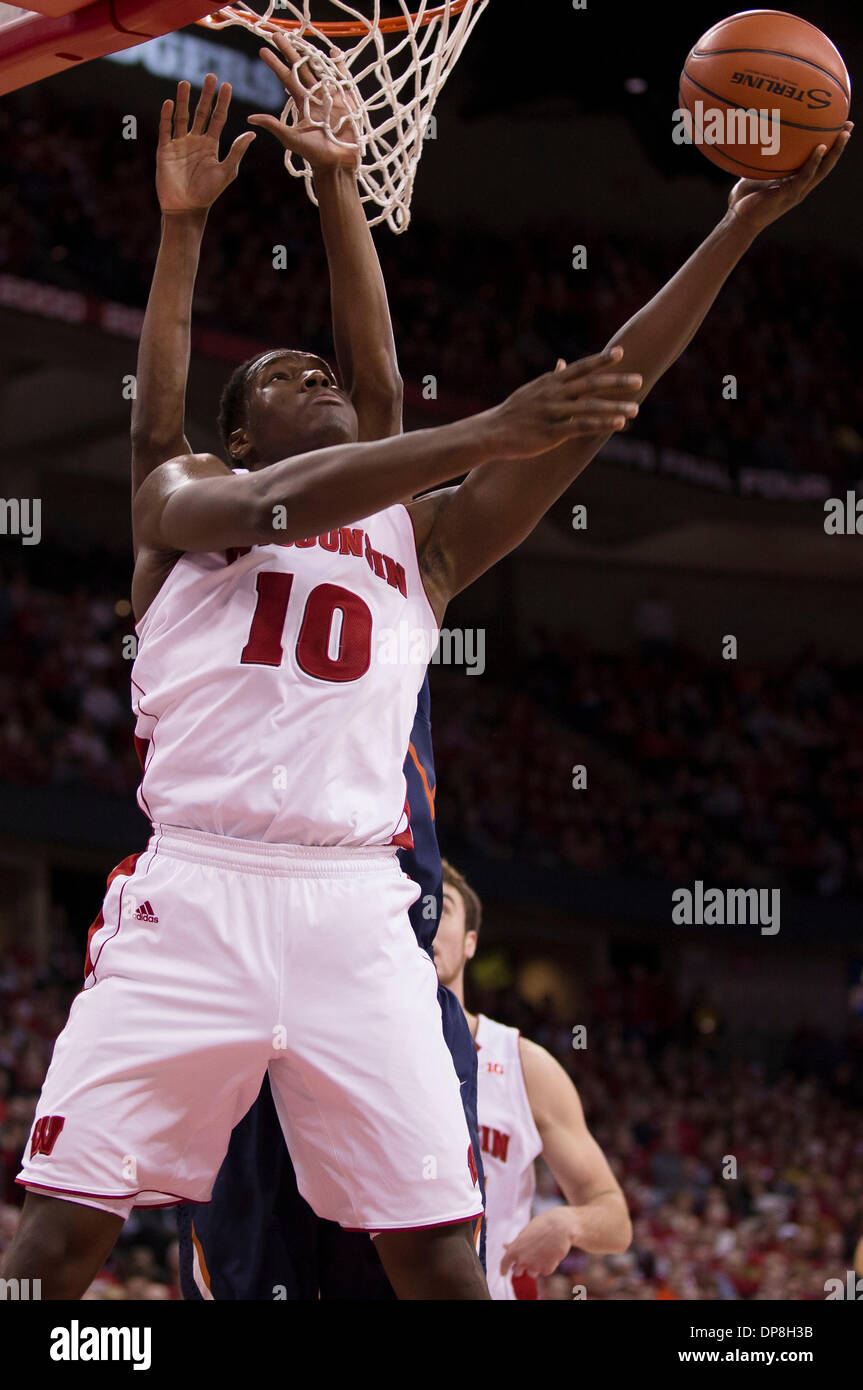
{"points": [[46, 1132], [145, 913]]}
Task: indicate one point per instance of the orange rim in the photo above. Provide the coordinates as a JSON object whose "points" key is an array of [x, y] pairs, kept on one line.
{"points": [[219, 18]]}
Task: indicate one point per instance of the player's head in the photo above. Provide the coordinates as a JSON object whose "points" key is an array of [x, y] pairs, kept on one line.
{"points": [[458, 929], [283, 403]]}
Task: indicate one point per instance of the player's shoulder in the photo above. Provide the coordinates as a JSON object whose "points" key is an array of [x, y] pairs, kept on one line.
{"points": [[173, 473], [548, 1085], [535, 1059]]}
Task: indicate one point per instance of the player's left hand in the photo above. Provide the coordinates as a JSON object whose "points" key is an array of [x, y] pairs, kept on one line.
{"points": [[541, 1246], [311, 142], [755, 203]]}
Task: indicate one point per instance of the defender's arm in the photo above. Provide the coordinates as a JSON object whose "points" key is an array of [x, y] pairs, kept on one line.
{"points": [[189, 178], [362, 328]]}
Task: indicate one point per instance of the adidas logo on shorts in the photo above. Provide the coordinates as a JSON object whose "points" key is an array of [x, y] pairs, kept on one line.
{"points": [[145, 913]]}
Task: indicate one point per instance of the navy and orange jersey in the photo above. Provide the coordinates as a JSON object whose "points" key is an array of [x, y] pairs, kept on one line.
{"points": [[257, 1239], [422, 862]]}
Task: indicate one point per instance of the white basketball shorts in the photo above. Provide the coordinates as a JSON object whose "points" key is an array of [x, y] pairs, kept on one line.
{"points": [[216, 960]]}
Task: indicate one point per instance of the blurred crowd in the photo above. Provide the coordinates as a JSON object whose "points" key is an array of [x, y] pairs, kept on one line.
{"points": [[741, 1183], [34, 1004], [667, 1102], [734, 773], [481, 313], [65, 714]]}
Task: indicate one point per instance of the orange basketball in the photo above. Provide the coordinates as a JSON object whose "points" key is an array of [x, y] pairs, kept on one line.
{"points": [[762, 89]]}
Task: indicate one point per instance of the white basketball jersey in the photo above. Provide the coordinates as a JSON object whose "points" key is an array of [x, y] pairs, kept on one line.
{"points": [[509, 1141], [275, 687]]}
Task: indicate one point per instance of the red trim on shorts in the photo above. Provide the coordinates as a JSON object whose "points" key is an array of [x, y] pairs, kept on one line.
{"points": [[524, 1286], [111, 1196], [127, 867], [405, 838], [428, 1226]]}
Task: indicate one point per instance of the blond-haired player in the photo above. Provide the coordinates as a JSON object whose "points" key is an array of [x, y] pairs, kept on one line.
{"points": [[527, 1106]]}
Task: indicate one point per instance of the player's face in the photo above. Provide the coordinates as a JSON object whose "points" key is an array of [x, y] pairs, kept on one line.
{"points": [[293, 406], [453, 946]]}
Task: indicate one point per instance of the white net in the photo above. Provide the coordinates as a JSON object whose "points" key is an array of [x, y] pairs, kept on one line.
{"points": [[390, 77]]}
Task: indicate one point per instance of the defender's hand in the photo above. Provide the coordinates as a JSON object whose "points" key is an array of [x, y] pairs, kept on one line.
{"points": [[583, 398], [305, 139], [189, 175], [755, 203]]}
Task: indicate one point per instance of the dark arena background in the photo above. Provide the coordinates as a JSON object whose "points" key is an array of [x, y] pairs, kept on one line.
{"points": [[682, 627]]}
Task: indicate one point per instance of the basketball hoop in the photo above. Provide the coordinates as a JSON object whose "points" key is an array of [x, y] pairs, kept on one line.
{"points": [[391, 77]]}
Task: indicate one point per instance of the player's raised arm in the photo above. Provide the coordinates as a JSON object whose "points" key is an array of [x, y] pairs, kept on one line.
{"points": [[595, 1217], [362, 328], [189, 178], [461, 534]]}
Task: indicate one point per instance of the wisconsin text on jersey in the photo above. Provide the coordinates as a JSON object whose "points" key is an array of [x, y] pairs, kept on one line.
{"points": [[347, 540]]}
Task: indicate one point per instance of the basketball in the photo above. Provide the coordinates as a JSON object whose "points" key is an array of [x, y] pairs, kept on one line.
{"points": [[760, 90]]}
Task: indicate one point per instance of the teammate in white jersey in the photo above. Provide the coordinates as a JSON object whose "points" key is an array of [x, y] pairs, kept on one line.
{"points": [[527, 1107]]}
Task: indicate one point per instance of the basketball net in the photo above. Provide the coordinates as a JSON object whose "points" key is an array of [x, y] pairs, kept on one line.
{"points": [[390, 76]]}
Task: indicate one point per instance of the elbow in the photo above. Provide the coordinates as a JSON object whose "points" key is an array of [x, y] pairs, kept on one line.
{"points": [[624, 1238], [395, 387], [622, 1234], [149, 445], [616, 1236], [382, 387]]}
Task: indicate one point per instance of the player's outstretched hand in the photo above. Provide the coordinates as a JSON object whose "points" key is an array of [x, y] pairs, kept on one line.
{"points": [[189, 174], [584, 398], [314, 101], [758, 202]]}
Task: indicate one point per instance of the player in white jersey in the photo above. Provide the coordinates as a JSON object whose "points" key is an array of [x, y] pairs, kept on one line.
{"points": [[527, 1107], [265, 928]]}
